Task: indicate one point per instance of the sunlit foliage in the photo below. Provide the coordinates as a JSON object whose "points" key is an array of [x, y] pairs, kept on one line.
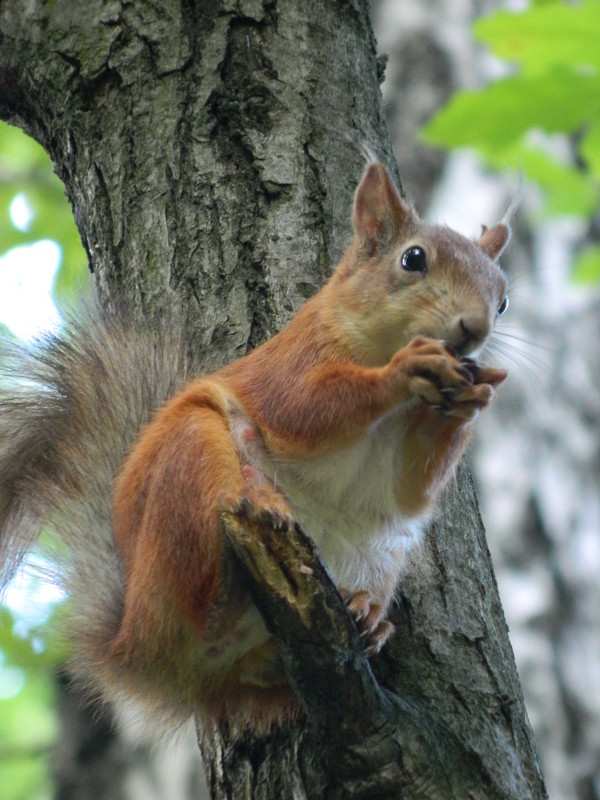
{"points": [[543, 116]]}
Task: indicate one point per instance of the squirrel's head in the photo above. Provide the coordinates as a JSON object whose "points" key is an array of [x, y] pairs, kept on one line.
{"points": [[402, 277]]}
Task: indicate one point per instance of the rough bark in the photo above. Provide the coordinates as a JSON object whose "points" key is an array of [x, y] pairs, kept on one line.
{"points": [[210, 151]]}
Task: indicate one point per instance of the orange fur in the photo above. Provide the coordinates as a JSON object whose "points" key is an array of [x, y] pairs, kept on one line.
{"points": [[373, 348]]}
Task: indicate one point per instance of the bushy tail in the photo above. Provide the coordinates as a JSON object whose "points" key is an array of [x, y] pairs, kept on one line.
{"points": [[70, 406]]}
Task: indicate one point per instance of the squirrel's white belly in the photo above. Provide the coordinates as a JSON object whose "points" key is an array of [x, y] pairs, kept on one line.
{"points": [[346, 502]]}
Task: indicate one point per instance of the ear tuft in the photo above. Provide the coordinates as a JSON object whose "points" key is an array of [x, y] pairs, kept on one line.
{"points": [[494, 240], [379, 211]]}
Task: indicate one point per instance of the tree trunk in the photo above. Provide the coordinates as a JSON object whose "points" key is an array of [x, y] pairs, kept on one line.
{"points": [[210, 151]]}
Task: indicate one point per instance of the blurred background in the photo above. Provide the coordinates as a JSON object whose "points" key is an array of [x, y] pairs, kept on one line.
{"points": [[488, 104]]}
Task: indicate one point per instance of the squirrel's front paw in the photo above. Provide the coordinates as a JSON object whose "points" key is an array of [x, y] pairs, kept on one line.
{"points": [[368, 615], [466, 403], [451, 385], [490, 375], [432, 371]]}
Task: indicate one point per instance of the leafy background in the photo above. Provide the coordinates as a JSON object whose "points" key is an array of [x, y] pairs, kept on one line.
{"points": [[26, 173], [28, 651], [543, 117]]}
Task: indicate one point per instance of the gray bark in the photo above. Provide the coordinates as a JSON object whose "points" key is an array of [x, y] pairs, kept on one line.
{"points": [[210, 151]]}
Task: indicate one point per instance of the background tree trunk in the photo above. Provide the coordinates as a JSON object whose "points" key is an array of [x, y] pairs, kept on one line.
{"points": [[210, 151]]}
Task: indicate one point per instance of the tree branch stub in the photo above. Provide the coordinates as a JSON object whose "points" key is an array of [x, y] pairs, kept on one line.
{"points": [[320, 645]]}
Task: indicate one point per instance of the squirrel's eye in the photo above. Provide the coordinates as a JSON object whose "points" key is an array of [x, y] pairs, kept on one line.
{"points": [[414, 260], [503, 306]]}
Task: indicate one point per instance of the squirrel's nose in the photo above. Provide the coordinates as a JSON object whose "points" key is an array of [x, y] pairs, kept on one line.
{"points": [[470, 332]]}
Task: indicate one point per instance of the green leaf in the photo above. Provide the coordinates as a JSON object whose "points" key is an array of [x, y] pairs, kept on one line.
{"points": [[499, 115], [567, 190], [546, 35], [587, 266]]}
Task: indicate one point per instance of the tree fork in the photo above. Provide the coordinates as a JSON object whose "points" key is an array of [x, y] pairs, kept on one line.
{"points": [[210, 151]]}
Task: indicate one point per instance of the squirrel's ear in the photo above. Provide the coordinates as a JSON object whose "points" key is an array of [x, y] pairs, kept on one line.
{"points": [[379, 211], [494, 240]]}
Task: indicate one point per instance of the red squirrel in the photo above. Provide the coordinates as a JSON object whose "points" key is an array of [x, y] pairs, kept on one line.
{"points": [[349, 423]]}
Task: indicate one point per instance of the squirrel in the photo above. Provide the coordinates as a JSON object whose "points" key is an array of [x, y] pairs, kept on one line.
{"points": [[348, 423]]}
